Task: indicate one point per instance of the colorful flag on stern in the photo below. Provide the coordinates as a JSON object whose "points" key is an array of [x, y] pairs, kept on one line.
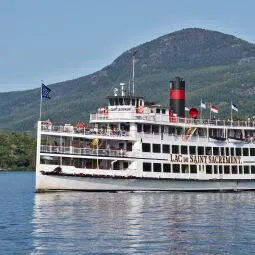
{"points": [[234, 107], [214, 109], [45, 91], [202, 104]]}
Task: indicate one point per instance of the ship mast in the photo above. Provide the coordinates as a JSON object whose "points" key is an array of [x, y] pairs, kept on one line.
{"points": [[134, 52]]}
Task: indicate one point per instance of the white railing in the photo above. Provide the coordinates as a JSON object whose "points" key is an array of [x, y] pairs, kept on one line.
{"points": [[147, 135], [165, 119], [84, 131], [83, 151]]}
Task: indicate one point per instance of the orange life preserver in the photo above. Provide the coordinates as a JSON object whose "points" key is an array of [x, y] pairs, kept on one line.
{"points": [[80, 125], [139, 109]]}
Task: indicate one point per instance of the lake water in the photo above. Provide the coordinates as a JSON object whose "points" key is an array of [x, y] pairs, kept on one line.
{"points": [[122, 223]]}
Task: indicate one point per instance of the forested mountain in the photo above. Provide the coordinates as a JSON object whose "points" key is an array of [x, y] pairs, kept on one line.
{"points": [[217, 68]]}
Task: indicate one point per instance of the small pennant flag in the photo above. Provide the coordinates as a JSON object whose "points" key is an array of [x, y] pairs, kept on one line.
{"points": [[214, 109], [234, 107], [186, 108], [202, 105], [45, 91]]}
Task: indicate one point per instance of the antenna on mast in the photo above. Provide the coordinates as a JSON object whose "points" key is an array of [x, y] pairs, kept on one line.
{"points": [[134, 52]]}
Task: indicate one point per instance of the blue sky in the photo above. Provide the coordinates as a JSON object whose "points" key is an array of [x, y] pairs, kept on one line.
{"points": [[57, 40]]}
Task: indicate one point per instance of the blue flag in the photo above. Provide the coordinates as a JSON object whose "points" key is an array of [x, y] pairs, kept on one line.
{"points": [[45, 91], [234, 107]]}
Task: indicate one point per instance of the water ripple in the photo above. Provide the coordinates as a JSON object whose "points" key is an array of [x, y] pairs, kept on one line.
{"points": [[144, 223], [123, 223]]}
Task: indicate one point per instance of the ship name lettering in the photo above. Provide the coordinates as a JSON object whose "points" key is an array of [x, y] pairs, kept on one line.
{"points": [[205, 159], [176, 158]]}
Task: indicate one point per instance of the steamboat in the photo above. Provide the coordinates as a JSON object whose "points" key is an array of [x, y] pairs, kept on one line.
{"points": [[134, 145]]}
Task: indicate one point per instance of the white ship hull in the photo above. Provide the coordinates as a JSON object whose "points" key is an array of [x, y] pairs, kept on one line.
{"points": [[56, 182]]}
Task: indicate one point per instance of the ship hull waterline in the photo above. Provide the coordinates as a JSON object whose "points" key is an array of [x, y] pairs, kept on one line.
{"points": [[46, 183]]}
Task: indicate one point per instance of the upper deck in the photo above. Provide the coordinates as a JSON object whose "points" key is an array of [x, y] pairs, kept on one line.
{"points": [[163, 119], [128, 108]]}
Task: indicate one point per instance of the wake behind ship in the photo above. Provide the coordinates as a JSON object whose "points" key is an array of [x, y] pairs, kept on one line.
{"points": [[131, 145]]}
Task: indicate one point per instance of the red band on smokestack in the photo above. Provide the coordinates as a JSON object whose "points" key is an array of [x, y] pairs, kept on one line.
{"points": [[177, 94]]}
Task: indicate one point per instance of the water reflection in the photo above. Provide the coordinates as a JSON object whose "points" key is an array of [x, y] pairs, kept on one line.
{"points": [[144, 223]]}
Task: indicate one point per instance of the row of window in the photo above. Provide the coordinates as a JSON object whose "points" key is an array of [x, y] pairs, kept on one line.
{"points": [[197, 150], [193, 169], [156, 129]]}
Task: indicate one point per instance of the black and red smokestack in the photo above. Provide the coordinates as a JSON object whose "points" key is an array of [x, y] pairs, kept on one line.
{"points": [[177, 98]]}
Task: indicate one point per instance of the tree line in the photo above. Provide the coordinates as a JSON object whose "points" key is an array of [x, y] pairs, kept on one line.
{"points": [[17, 151]]}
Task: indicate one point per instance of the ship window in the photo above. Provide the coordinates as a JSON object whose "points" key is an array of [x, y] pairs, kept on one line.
{"points": [[125, 165], [171, 130], [185, 169], [121, 145], [226, 170], [175, 149], [167, 168], [192, 150], [146, 128], [246, 169], [220, 169], [193, 169], [215, 150], [240, 169], [121, 101], [51, 161], [133, 102], [116, 102], [252, 152], [156, 148], [127, 101], [165, 148], [125, 127], [129, 146], [111, 102], [222, 151], [66, 161], [252, 169], [176, 168], [155, 129], [234, 169], [163, 111], [208, 169], [146, 147], [215, 169], [200, 150], [146, 167], [245, 152], [238, 151], [179, 130], [139, 128], [156, 167], [184, 149], [227, 151], [208, 150], [157, 110], [116, 165], [232, 151]]}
